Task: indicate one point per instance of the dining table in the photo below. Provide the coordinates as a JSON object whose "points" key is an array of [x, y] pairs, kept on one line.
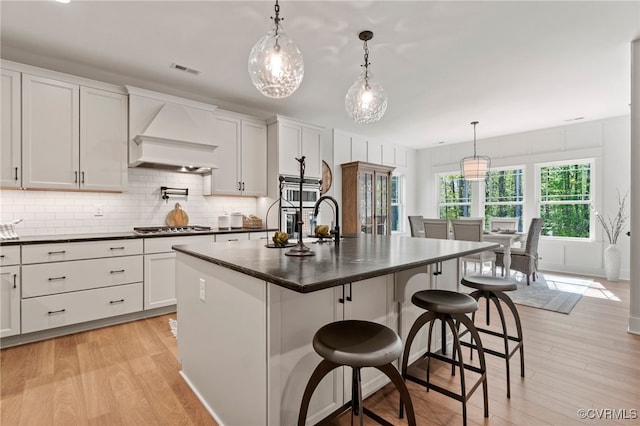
{"points": [[506, 240]]}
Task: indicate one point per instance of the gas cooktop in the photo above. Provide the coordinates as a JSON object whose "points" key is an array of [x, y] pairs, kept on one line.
{"points": [[147, 230]]}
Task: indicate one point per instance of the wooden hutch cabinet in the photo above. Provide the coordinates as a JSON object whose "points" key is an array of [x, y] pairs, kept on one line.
{"points": [[366, 198]]}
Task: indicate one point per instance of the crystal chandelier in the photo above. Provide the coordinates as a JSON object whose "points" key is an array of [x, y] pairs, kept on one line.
{"points": [[476, 167], [275, 63], [366, 100]]}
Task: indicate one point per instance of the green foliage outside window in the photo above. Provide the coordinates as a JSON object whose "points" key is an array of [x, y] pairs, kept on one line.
{"points": [[565, 197], [504, 195], [455, 197]]}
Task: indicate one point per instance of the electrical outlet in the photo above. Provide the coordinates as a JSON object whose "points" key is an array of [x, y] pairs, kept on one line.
{"points": [[202, 286], [97, 211]]}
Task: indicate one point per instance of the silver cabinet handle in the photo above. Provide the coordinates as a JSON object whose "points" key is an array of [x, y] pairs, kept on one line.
{"points": [[119, 271], [59, 311], [57, 278], [113, 302], [58, 252]]}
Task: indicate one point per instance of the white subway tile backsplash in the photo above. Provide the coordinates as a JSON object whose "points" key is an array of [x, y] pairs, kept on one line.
{"points": [[59, 212]]}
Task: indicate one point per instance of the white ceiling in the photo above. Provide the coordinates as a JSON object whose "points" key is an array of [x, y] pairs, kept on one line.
{"points": [[513, 66]]}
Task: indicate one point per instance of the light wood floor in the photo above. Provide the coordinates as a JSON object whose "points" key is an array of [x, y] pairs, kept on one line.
{"points": [[128, 374]]}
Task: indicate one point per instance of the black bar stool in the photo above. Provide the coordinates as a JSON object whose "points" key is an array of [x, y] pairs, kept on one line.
{"points": [[356, 344], [493, 288], [451, 308]]}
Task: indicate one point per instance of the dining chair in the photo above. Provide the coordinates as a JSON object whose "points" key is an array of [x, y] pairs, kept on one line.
{"points": [[436, 228], [415, 223], [471, 230], [525, 259], [503, 224]]}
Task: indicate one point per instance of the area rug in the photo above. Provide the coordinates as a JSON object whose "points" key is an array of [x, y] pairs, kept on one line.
{"points": [[551, 292]]}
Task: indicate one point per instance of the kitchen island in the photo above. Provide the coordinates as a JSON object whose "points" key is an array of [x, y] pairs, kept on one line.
{"points": [[247, 316]]}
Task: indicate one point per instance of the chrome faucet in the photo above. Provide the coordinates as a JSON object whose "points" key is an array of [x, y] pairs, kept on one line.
{"points": [[316, 208]]}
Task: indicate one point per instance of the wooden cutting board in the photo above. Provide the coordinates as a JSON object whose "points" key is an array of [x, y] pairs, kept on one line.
{"points": [[177, 217]]}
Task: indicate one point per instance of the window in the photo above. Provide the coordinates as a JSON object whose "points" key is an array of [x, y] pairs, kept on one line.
{"points": [[455, 197], [565, 198], [397, 202], [504, 195]]}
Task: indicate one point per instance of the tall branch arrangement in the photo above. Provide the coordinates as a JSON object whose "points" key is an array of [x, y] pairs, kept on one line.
{"points": [[613, 226]]}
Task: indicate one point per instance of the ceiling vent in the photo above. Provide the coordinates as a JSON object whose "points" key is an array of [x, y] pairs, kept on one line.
{"points": [[185, 69]]}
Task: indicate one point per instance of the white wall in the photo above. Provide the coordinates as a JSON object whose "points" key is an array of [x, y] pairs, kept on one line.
{"points": [[607, 141], [59, 212], [349, 147]]}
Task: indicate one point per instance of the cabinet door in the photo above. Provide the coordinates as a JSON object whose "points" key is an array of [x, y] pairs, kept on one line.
{"points": [[382, 203], [50, 133], [159, 280], [293, 319], [226, 180], [254, 159], [103, 140], [289, 141], [9, 301], [371, 300], [312, 150], [10, 162], [366, 183]]}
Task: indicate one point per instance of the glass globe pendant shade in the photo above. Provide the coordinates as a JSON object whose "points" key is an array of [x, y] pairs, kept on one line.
{"points": [[366, 100], [276, 66]]}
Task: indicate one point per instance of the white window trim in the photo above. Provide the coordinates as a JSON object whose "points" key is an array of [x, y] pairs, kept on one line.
{"points": [[402, 179], [439, 200]]}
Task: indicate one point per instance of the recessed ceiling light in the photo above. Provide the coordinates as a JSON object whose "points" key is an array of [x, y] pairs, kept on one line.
{"points": [[63, 1], [185, 69]]}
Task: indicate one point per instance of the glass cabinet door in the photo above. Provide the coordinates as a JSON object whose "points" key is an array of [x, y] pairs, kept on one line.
{"points": [[366, 203], [382, 201]]}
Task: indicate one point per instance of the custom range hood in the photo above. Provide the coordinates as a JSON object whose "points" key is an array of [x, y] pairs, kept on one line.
{"points": [[170, 133]]}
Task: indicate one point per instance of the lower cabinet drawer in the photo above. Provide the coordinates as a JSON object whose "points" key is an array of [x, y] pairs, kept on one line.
{"points": [[60, 277], [41, 313]]}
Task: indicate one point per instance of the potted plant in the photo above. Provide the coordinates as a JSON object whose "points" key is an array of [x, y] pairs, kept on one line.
{"points": [[613, 228]]}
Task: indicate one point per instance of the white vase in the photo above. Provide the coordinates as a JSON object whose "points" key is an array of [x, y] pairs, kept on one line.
{"points": [[612, 262]]}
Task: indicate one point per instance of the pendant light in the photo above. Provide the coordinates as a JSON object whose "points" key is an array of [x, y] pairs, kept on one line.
{"points": [[366, 100], [476, 167], [275, 63]]}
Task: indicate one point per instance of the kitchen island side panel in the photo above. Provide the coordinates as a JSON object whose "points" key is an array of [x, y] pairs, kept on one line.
{"points": [[222, 340]]}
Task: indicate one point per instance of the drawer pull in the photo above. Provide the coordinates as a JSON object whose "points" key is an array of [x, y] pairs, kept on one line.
{"points": [[57, 278], [117, 272], [58, 252], [59, 311], [112, 302], [232, 239], [14, 280], [116, 248], [1, 255]]}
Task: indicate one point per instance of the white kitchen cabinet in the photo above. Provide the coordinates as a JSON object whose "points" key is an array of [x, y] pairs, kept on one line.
{"points": [[9, 300], [69, 283], [73, 137], [288, 140], [160, 268], [10, 143], [241, 157], [293, 320]]}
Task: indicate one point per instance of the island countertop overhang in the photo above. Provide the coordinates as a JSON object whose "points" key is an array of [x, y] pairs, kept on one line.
{"points": [[355, 259]]}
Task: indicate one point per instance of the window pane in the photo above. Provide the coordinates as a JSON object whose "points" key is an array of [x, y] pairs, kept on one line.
{"points": [[454, 212], [454, 189], [503, 210], [565, 220], [570, 182], [504, 186]]}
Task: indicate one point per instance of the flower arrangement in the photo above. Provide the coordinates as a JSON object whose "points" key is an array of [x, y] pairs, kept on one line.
{"points": [[613, 227]]}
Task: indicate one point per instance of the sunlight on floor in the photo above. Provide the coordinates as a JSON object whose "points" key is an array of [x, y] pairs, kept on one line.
{"points": [[577, 285]]}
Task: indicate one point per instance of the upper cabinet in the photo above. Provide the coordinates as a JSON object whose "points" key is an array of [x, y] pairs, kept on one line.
{"points": [[74, 137], [241, 157], [289, 139], [10, 154]]}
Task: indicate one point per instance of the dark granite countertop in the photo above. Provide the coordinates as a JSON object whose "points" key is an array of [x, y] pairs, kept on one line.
{"points": [[354, 259], [68, 238]]}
